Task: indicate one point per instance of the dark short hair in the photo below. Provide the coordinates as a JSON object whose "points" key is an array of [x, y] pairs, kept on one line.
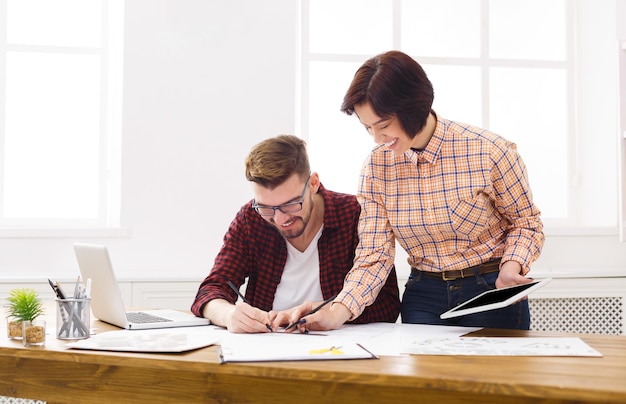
{"points": [[393, 83], [272, 161]]}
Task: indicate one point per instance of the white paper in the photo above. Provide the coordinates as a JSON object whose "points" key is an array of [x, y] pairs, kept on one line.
{"points": [[350, 341], [384, 339], [499, 346], [158, 340], [280, 346]]}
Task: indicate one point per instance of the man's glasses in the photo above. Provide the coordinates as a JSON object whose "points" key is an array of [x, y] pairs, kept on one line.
{"points": [[290, 207]]}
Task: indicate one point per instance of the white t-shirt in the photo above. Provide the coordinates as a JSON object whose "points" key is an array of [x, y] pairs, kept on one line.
{"points": [[301, 277]]}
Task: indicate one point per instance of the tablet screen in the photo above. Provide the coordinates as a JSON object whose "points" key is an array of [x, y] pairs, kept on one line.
{"points": [[494, 299], [495, 296]]}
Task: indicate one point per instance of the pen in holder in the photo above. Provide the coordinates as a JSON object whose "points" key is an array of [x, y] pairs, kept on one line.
{"points": [[73, 318]]}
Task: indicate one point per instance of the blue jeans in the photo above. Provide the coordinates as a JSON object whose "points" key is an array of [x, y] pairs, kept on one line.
{"points": [[425, 298]]}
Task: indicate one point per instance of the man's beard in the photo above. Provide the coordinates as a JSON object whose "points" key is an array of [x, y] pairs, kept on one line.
{"points": [[295, 233], [304, 220]]}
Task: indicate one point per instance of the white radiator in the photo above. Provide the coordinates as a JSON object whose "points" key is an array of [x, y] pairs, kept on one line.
{"points": [[587, 315], [11, 400]]}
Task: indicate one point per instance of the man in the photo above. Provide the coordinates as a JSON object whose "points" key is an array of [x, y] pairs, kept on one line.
{"points": [[294, 242]]}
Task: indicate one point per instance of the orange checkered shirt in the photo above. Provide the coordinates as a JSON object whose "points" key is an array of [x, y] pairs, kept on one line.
{"points": [[463, 200]]}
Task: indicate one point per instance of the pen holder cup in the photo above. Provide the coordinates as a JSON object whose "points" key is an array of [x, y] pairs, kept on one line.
{"points": [[73, 320]]}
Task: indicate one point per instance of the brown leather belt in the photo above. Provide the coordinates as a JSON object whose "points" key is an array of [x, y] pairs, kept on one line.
{"points": [[484, 268]]}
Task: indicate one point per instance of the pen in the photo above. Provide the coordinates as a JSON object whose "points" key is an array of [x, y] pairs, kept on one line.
{"points": [[243, 298], [76, 287], [315, 310], [63, 308], [59, 294], [57, 289]]}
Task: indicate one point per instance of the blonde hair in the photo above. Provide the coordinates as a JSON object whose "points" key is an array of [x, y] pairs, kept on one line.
{"points": [[272, 161]]}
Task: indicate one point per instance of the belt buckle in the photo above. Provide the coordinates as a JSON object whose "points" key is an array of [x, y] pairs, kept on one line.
{"points": [[446, 278]]}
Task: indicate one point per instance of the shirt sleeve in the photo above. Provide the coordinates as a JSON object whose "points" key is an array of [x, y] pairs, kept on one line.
{"points": [[230, 265], [374, 255], [525, 238]]}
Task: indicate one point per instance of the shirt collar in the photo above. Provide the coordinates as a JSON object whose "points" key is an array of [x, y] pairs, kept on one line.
{"points": [[430, 153]]}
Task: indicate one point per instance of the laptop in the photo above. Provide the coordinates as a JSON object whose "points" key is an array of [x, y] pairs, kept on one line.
{"points": [[495, 299], [106, 298]]}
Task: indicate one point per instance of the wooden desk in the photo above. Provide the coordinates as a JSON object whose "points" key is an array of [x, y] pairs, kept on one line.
{"points": [[56, 375]]}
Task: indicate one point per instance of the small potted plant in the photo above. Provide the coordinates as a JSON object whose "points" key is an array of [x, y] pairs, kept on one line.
{"points": [[23, 309]]}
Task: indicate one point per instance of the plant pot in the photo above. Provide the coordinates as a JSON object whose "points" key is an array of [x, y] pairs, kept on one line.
{"points": [[14, 328], [34, 332]]}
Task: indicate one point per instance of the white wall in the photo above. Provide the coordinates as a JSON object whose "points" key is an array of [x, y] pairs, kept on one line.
{"points": [[203, 82]]}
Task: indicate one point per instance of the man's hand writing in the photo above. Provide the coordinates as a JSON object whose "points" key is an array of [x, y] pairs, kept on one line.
{"points": [[243, 318]]}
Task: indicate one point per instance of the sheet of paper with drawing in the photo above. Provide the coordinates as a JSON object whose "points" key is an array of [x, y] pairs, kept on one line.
{"points": [[495, 299], [288, 347], [499, 346]]}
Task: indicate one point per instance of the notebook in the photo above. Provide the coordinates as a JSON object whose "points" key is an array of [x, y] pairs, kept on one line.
{"points": [[106, 298], [495, 299]]}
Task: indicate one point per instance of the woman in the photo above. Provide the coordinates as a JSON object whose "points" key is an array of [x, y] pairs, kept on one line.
{"points": [[455, 197]]}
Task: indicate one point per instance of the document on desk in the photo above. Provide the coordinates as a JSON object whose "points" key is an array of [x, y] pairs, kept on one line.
{"points": [[384, 339], [357, 341], [162, 340], [278, 346], [499, 346]]}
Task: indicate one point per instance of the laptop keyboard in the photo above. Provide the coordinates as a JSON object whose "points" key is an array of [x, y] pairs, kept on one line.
{"points": [[142, 318]]}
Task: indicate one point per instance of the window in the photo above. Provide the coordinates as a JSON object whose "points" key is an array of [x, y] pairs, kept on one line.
{"points": [[530, 71], [60, 107]]}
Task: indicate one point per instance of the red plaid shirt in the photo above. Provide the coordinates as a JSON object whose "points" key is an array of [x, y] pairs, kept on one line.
{"points": [[255, 249]]}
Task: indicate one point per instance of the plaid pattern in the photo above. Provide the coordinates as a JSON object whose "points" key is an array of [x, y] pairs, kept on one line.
{"points": [[256, 250], [463, 200]]}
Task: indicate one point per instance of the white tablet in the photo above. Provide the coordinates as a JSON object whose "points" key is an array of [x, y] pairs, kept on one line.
{"points": [[495, 299]]}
